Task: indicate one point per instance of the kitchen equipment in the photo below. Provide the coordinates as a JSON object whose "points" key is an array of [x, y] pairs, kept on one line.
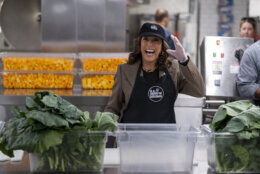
{"points": [[21, 23], [64, 25], [188, 110], [156, 147], [220, 63]]}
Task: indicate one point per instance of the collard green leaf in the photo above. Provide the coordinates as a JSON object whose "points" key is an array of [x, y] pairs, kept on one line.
{"points": [[227, 112], [86, 115], [69, 110], [234, 108], [247, 134], [241, 153], [113, 116], [244, 121], [49, 139], [106, 121], [31, 104], [234, 125], [17, 134], [5, 151], [72, 121], [15, 110], [218, 118], [51, 101], [47, 119]]}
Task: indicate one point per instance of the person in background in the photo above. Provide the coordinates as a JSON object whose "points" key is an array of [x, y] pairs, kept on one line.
{"points": [[162, 18], [247, 28], [146, 87], [248, 81]]}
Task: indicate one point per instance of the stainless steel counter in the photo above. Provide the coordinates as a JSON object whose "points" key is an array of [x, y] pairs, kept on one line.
{"points": [[86, 100], [76, 96]]}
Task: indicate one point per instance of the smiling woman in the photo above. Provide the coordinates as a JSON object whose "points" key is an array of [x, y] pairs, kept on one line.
{"points": [[146, 87], [150, 47]]}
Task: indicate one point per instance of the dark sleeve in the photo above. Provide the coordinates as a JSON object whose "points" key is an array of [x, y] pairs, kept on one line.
{"points": [[170, 42], [247, 79], [185, 63]]}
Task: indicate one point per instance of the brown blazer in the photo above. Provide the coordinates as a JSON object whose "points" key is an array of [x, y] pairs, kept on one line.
{"points": [[187, 80]]}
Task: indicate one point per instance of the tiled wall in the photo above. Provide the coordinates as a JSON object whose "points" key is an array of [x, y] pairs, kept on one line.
{"points": [[209, 17]]}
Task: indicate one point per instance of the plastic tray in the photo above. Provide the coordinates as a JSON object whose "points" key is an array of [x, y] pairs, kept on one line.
{"points": [[97, 80], [38, 61], [37, 79], [102, 62], [156, 147]]}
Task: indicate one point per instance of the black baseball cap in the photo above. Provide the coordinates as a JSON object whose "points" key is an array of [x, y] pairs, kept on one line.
{"points": [[151, 29]]}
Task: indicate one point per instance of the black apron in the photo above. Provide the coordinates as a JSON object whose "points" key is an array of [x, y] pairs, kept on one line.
{"points": [[151, 103], [257, 102]]}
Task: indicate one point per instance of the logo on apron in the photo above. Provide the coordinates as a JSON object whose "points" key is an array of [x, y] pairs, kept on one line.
{"points": [[155, 93]]}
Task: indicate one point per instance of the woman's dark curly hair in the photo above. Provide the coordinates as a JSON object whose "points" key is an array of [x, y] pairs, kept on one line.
{"points": [[162, 62]]}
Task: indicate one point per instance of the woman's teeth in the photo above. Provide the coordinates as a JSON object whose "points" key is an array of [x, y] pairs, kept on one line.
{"points": [[149, 52]]}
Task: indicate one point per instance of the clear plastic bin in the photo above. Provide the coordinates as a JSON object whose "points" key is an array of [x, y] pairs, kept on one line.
{"points": [[102, 62], [228, 154], [2, 123], [37, 79], [156, 147], [33, 61], [97, 80], [80, 151]]}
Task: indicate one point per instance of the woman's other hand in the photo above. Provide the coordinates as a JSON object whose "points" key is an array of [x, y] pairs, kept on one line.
{"points": [[179, 52]]}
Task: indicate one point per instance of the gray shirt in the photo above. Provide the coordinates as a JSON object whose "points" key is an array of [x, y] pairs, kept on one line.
{"points": [[249, 73]]}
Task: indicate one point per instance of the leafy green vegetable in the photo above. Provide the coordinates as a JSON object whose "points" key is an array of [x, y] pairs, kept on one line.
{"points": [[61, 135], [240, 152], [228, 111]]}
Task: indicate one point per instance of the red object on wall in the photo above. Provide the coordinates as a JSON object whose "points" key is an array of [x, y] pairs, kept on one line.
{"points": [[256, 37], [176, 34]]}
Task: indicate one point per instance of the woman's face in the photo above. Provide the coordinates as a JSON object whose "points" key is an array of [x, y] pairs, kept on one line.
{"points": [[246, 30], [151, 47]]}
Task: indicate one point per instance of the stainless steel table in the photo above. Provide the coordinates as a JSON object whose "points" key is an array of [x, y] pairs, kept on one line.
{"points": [[86, 100]]}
